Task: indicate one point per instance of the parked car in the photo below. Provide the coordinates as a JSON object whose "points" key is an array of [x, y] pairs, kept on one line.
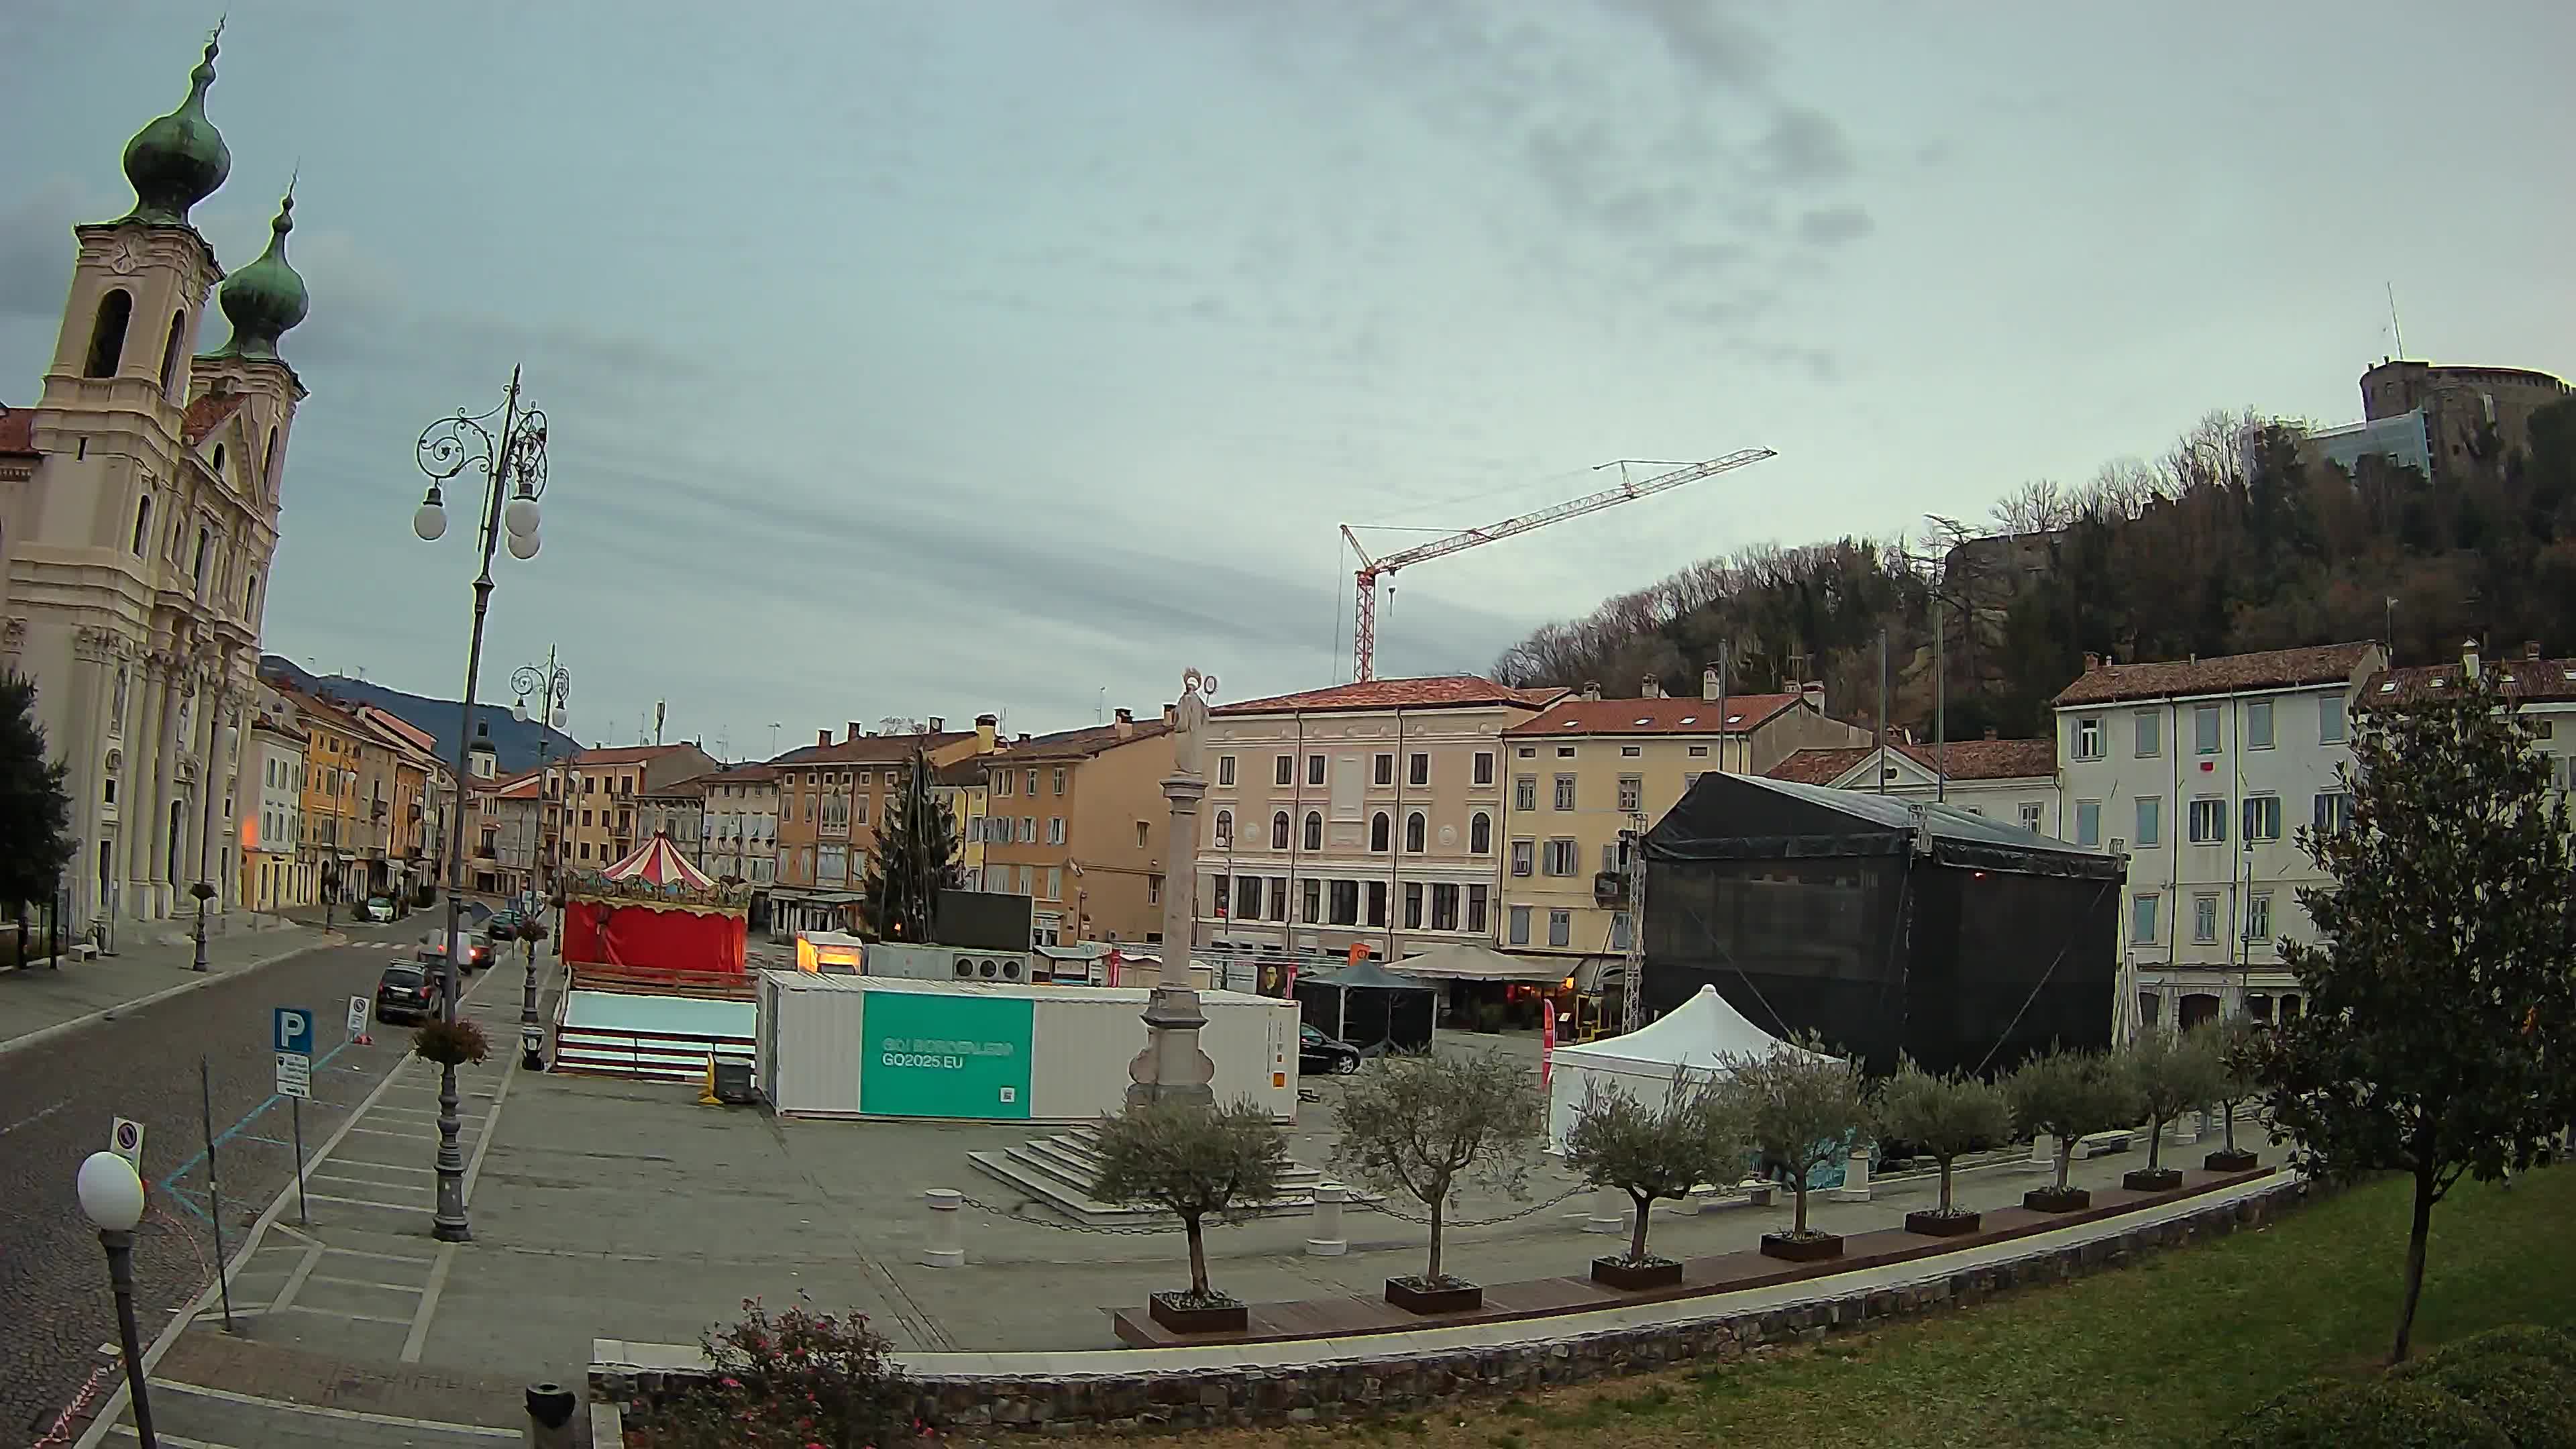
{"points": [[405, 993], [380, 908], [1317, 1052], [478, 950]]}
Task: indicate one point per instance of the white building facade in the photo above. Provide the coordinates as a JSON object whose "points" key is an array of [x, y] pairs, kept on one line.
{"points": [[274, 879], [138, 519], [2202, 772]]}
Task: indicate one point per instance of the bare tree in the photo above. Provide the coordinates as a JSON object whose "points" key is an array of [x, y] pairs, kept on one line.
{"points": [[1697, 1135], [1421, 1125], [1194, 1163]]}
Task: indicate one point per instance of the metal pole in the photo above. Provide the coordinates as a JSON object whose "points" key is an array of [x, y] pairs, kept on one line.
{"points": [[120, 1275], [295, 1106], [1940, 707], [1882, 711], [449, 1223], [214, 1188]]}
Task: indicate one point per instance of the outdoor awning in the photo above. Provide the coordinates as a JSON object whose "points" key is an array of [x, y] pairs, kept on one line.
{"points": [[1469, 962]]}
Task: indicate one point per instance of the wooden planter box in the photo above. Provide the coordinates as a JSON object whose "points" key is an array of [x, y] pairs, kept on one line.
{"points": [[1197, 1318], [2052, 1200], [1410, 1295], [1812, 1249], [1941, 1225], [1633, 1277], [2223, 1160], [2152, 1179]]}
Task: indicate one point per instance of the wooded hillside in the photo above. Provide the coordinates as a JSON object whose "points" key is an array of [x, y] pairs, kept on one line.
{"points": [[2228, 542]]}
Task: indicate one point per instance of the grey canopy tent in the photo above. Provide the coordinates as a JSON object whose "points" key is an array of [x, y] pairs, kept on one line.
{"points": [[1370, 1007]]}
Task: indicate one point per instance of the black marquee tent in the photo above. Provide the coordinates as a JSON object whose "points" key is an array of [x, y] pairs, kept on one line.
{"points": [[1370, 1007], [1885, 924]]}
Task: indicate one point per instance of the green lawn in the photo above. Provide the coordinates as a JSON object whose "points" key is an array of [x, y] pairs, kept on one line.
{"points": [[2158, 1353]]}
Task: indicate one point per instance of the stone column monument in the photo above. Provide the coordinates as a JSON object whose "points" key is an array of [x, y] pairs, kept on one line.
{"points": [[1171, 1068]]}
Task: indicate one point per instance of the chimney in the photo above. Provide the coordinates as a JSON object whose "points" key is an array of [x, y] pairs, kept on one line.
{"points": [[2530, 648], [988, 728], [1592, 689], [1172, 714], [822, 737], [1126, 723], [2468, 660], [1653, 688], [1813, 691], [1023, 739], [1709, 687], [1990, 732], [855, 731], [2092, 661]]}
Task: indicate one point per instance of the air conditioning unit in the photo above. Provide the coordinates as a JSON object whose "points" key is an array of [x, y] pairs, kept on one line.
{"points": [[1010, 970], [988, 968], [965, 967]]}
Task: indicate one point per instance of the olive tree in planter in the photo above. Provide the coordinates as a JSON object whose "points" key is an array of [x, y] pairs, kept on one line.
{"points": [[1652, 1153], [2069, 1094], [1193, 1162], [1945, 1118], [2171, 1075], [2239, 1047], [1424, 1125], [1802, 1107]]}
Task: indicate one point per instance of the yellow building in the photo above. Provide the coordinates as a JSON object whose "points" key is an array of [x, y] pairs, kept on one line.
{"points": [[1586, 772], [598, 790], [336, 746]]}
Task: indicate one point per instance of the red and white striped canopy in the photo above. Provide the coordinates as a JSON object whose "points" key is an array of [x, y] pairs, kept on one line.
{"points": [[656, 863]]}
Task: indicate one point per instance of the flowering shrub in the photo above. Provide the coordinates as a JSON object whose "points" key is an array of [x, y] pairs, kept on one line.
{"points": [[451, 1043], [795, 1379]]}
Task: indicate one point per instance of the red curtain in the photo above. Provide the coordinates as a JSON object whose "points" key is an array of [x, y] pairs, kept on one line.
{"points": [[639, 938]]}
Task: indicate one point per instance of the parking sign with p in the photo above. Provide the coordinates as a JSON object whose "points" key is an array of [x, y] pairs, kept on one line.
{"points": [[294, 1030]]}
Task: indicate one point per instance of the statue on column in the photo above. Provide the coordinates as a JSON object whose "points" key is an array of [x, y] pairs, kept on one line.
{"points": [[1189, 719]]}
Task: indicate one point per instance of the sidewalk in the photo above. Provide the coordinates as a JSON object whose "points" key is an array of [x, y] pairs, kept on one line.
{"points": [[39, 1002]]}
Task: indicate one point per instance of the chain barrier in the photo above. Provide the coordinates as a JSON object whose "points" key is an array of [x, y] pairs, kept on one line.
{"points": [[1446, 1224]]}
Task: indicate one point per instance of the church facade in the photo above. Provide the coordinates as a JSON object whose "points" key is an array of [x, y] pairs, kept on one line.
{"points": [[138, 519]]}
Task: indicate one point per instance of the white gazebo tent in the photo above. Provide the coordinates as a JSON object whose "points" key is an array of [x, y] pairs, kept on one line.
{"points": [[1696, 1036]]}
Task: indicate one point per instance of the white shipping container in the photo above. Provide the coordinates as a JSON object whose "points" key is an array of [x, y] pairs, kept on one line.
{"points": [[815, 1050]]}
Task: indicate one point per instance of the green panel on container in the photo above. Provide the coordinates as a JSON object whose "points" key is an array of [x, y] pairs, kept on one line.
{"points": [[932, 1054]]}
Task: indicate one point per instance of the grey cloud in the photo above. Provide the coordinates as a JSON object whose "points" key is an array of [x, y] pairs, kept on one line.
{"points": [[1707, 39], [36, 245], [1803, 146], [1831, 226]]}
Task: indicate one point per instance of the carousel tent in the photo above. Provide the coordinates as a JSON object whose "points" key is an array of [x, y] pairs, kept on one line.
{"points": [[1370, 1007], [1696, 1037], [655, 912]]}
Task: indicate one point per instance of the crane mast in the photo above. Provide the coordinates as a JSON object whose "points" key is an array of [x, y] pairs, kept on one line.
{"points": [[1364, 616]]}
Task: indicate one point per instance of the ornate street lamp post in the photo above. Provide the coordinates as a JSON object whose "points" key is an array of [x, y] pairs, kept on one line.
{"points": [[512, 459], [111, 1197], [1171, 1068], [552, 685]]}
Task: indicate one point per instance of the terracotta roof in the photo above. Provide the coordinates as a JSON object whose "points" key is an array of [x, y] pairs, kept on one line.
{"points": [[1081, 744], [1571, 716], [694, 785], [740, 775], [1443, 691], [208, 413], [1966, 760], [969, 771], [871, 749], [2523, 680], [329, 712], [17, 430], [411, 734], [2102, 683]]}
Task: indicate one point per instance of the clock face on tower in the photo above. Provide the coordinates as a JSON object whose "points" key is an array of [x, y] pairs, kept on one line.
{"points": [[126, 257]]}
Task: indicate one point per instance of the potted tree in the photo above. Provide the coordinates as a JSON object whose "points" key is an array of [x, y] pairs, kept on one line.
{"points": [[2171, 1075], [1194, 1163], [2068, 1094], [1802, 1109], [1943, 1117], [2240, 1046], [1424, 1125], [1652, 1153]]}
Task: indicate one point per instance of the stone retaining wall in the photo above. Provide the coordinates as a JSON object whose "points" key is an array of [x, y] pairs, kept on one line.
{"points": [[1405, 1382]]}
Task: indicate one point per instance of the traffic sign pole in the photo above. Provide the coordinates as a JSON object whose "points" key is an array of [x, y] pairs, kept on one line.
{"points": [[296, 1106], [215, 1188]]}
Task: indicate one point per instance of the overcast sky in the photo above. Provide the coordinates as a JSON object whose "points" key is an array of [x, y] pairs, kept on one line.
{"points": [[923, 359]]}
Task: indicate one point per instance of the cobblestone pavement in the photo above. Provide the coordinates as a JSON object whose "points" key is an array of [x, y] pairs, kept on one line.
{"points": [[56, 1099]]}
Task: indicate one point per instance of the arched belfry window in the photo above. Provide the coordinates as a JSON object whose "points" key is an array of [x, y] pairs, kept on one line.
{"points": [[171, 354], [268, 465], [107, 334]]}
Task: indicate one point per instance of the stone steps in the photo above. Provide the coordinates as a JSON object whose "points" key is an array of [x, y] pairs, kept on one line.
{"points": [[1059, 1171]]}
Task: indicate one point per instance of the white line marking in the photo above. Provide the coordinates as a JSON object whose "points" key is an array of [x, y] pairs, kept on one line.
{"points": [[367, 1283], [391, 1207], [384, 1166], [173, 1440], [336, 1313], [359, 1415], [387, 1257], [483, 1144], [428, 1308], [362, 1181], [39, 1117], [295, 1280]]}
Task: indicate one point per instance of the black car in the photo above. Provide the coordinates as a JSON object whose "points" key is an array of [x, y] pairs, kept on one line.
{"points": [[1317, 1052], [405, 993]]}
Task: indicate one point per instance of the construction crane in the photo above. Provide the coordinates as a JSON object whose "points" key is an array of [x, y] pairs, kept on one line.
{"points": [[1364, 625]]}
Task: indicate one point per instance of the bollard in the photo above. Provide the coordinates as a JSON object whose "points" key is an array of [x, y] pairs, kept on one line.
{"points": [[2043, 1151], [1609, 1212], [2185, 1129], [1324, 1238], [550, 1417], [1855, 1186], [947, 1245]]}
